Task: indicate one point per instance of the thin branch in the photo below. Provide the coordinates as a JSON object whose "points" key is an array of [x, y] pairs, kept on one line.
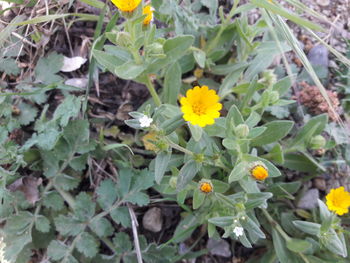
{"points": [[135, 224]]}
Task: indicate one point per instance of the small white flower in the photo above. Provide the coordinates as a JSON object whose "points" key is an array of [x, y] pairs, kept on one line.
{"points": [[145, 121], [238, 231]]}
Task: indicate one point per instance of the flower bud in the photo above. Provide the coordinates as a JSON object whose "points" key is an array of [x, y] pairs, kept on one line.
{"points": [[242, 130], [317, 142], [206, 186], [259, 171], [155, 49], [269, 78], [173, 182], [199, 158]]}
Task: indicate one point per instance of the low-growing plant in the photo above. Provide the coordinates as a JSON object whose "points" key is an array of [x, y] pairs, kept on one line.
{"points": [[218, 130]]}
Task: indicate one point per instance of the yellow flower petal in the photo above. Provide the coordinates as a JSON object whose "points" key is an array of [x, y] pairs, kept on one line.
{"points": [[201, 106], [338, 200], [148, 10], [126, 5]]}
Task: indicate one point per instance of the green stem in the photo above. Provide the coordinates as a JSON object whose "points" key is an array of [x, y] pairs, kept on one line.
{"points": [[275, 225], [153, 92], [178, 147]]}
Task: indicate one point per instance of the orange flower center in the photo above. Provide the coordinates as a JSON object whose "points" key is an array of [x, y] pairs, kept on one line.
{"points": [[206, 187], [259, 172], [198, 108]]}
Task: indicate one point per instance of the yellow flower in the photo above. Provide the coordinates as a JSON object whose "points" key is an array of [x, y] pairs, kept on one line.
{"points": [[259, 171], [147, 10], [338, 200], [200, 106], [206, 187], [126, 5], [149, 141]]}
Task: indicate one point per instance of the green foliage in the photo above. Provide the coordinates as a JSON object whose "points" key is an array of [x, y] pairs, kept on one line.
{"points": [[84, 210]]}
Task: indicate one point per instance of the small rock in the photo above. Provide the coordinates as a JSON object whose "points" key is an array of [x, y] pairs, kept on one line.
{"points": [[323, 2], [219, 248], [318, 55], [152, 220], [320, 184], [309, 199]]}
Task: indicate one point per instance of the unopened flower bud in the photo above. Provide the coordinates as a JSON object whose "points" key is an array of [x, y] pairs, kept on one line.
{"points": [[317, 142], [173, 182], [206, 186], [242, 130]]}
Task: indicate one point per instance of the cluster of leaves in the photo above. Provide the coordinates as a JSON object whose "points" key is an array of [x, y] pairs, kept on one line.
{"points": [[72, 224]]}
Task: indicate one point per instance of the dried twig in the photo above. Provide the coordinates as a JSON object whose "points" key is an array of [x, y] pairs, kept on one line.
{"points": [[135, 224]]}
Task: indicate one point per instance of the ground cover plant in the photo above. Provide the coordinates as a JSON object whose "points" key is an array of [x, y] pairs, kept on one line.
{"points": [[170, 131]]}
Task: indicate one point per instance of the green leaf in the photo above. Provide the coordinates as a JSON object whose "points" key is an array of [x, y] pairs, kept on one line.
{"points": [[283, 85], [198, 198], [308, 227], [84, 208], [283, 254], [107, 60], [28, 113], [102, 227], [138, 198], [54, 201], [121, 215], [161, 164], [187, 173], [233, 119], [172, 83], [56, 250], [47, 67], [284, 189], [122, 243], [176, 47], [79, 163], [129, 70], [68, 226], [299, 162], [9, 66], [333, 243], [87, 245], [196, 131], [297, 245], [106, 194], [42, 224], [275, 131], [66, 182], [238, 172], [69, 108], [222, 221], [230, 81], [200, 57], [278, 9]]}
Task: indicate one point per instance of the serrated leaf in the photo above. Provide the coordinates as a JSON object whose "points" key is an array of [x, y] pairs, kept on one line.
{"points": [[79, 163], [47, 67], [56, 250], [102, 227], [69, 108], [138, 198], [121, 215], [54, 201], [9, 66], [66, 182], [27, 113], [87, 245], [68, 226], [84, 207], [122, 243], [107, 194], [42, 224]]}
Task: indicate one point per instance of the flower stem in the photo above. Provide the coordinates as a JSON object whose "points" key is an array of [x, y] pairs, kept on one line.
{"points": [[153, 92]]}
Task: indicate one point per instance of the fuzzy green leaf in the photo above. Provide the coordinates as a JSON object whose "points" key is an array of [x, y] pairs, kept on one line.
{"points": [[106, 194], [87, 245]]}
